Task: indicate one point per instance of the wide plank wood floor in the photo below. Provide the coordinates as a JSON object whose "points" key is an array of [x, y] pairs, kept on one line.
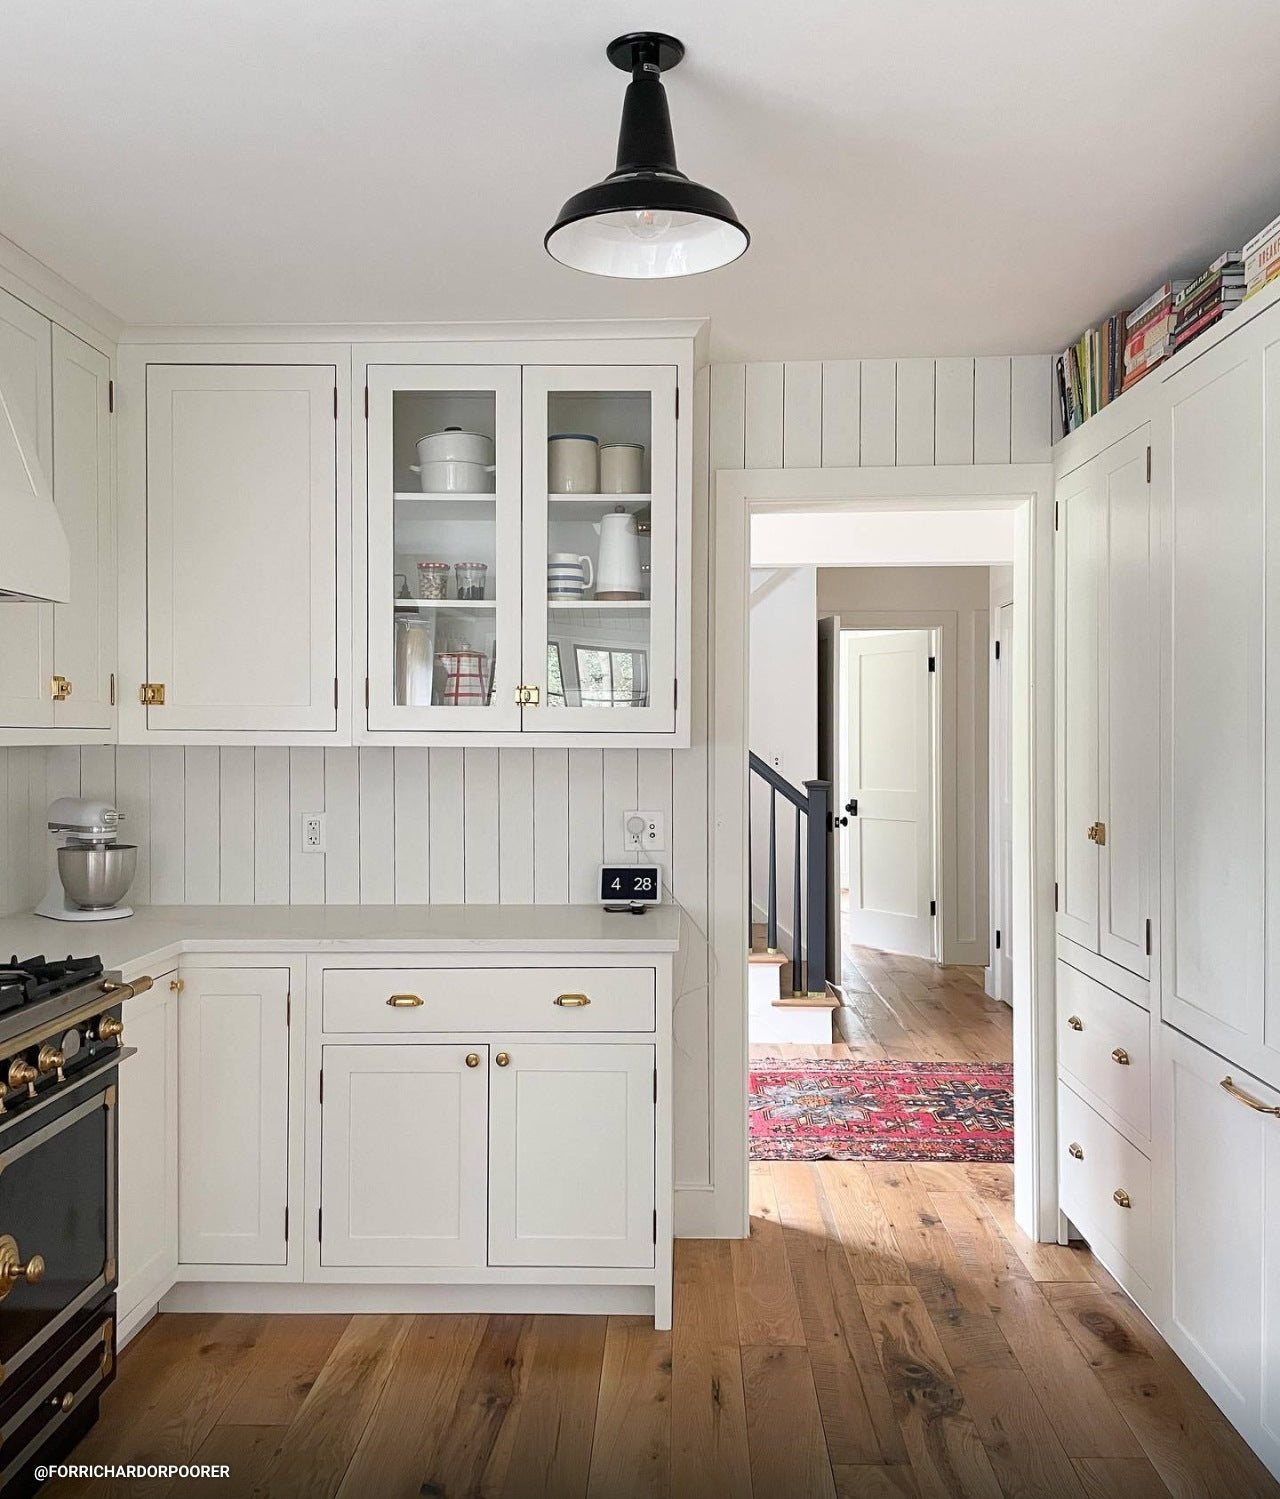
{"points": [[885, 1333]]}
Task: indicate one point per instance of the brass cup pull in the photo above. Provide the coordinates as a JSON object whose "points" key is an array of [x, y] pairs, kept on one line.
{"points": [[1249, 1101], [1075, 1022], [405, 1001], [1074, 1151], [1121, 1198], [502, 1059], [571, 1001], [1121, 1056], [473, 1059], [12, 1270]]}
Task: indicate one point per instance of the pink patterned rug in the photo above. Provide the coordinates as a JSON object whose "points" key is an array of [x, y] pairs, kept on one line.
{"points": [[880, 1111]]}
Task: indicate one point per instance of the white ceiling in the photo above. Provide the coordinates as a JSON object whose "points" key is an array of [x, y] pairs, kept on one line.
{"points": [[919, 176]]}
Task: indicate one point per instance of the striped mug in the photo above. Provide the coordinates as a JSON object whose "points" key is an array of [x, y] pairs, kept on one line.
{"points": [[568, 576]]}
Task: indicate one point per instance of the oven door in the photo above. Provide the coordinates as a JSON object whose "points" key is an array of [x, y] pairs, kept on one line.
{"points": [[57, 1202]]}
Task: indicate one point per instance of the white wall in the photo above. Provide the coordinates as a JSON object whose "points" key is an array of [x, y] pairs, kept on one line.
{"points": [[784, 720], [883, 538]]}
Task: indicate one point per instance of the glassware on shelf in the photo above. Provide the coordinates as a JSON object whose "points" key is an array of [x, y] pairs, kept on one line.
{"points": [[415, 639], [471, 579], [433, 580], [402, 586]]}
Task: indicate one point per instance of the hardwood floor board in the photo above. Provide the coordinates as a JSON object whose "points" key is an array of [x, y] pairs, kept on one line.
{"points": [[833, 1324], [767, 1308], [1150, 1390], [286, 1364], [947, 1455], [246, 1450], [709, 1456], [1026, 1456], [784, 1426], [323, 1436], [399, 1444], [631, 1455], [862, 1225], [1050, 1262], [897, 1482], [1119, 1478]]}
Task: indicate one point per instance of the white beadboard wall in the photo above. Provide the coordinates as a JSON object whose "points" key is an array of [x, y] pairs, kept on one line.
{"points": [[453, 825]]}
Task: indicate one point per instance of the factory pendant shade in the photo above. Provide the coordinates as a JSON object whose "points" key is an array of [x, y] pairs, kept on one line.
{"points": [[646, 220]]}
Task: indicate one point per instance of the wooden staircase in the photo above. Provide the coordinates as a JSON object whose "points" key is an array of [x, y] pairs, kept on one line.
{"points": [[779, 1008]]}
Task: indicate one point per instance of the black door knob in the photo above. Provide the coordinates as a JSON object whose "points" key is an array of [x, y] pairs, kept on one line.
{"points": [[839, 822]]}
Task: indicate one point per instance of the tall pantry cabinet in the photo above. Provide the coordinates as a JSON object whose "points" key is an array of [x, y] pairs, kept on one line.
{"points": [[1192, 648]]}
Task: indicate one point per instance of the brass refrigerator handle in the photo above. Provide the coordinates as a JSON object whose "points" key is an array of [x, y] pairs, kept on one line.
{"points": [[1249, 1101]]}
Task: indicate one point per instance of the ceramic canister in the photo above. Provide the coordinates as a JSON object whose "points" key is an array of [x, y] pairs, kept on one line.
{"points": [[568, 575], [621, 468], [573, 463]]}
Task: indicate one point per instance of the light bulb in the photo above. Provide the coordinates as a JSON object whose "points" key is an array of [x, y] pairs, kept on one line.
{"points": [[649, 223]]}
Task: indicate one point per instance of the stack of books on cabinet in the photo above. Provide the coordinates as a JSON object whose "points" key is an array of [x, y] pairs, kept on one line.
{"points": [[1090, 372], [1150, 331], [1262, 258], [1201, 303]]}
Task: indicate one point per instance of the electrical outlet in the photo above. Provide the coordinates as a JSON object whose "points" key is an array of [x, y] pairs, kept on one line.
{"points": [[313, 839], [644, 831], [775, 760]]}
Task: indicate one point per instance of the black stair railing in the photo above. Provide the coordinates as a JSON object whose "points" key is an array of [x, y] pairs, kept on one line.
{"points": [[810, 894]]}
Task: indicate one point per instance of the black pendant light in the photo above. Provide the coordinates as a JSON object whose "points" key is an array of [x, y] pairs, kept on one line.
{"points": [[646, 220]]}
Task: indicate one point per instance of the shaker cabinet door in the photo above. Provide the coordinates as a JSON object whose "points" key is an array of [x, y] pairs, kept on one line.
{"points": [[233, 1116], [242, 534], [571, 1154], [402, 1155]]}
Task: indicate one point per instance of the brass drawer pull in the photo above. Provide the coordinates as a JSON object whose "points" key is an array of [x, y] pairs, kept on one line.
{"points": [[571, 1001], [1074, 1151], [1121, 1198], [502, 1059], [1075, 1022], [1249, 1100], [473, 1059], [405, 1001], [1121, 1056]]}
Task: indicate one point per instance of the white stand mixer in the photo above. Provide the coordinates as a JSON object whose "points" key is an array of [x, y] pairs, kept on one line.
{"points": [[93, 871]]}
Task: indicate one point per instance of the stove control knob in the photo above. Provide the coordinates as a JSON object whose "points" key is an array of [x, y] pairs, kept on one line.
{"points": [[108, 1027], [50, 1059], [12, 1270], [23, 1075]]}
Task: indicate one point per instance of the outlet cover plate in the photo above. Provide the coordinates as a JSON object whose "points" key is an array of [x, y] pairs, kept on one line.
{"points": [[644, 832], [313, 833]]}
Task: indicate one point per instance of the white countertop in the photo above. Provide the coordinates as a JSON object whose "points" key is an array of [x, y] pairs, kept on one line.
{"points": [[156, 934]]}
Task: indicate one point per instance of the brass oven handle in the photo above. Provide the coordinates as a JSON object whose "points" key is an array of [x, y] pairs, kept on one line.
{"points": [[405, 1001], [571, 1001], [1120, 1055], [130, 990], [1075, 1022], [1248, 1099], [12, 1270]]}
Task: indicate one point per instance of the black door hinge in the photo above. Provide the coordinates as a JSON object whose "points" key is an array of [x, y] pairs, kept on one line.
{"points": [[322, 1085], [1148, 465], [1055, 515], [366, 403], [675, 693], [933, 908], [997, 650], [677, 403], [1148, 937], [320, 1224], [655, 1225], [655, 1085], [335, 403], [288, 1011], [335, 692], [933, 663], [1055, 895], [997, 939], [111, 395], [286, 1225]]}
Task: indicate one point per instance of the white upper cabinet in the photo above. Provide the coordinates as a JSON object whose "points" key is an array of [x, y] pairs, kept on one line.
{"points": [[1107, 705], [241, 535], [84, 628], [26, 630]]}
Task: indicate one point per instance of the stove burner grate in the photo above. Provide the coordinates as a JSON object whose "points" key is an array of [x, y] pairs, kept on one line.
{"points": [[26, 981]]}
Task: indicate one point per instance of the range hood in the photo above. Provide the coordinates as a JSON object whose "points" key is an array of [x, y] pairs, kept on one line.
{"points": [[35, 562]]}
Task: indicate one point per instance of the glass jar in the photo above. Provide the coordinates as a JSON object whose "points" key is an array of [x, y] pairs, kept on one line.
{"points": [[471, 579], [433, 580]]}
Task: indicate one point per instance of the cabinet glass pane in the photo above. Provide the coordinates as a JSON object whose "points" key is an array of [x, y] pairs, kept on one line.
{"points": [[446, 579], [599, 566]]}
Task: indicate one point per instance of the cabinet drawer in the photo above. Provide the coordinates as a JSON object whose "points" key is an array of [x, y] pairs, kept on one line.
{"points": [[472, 1001], [1104, 1043], [1097, 1166]]}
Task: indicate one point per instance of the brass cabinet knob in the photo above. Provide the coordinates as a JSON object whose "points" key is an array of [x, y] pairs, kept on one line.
{"points": [[502, 1059], [50, 1059], [1121, 1198], [473, 1059], [176, 986], [1075, 1022], [405, 1001], [12, 1270], [110, 1026], [1120, 1055], [1075, 1152], [21, 1073], [571, 1001]]}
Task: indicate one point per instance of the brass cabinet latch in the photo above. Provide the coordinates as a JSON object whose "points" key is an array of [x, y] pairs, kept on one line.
{"points": [[1075, 1152], [1098, 833], [151, 694], [528, 697], [1121, 1198], [61, 689]]}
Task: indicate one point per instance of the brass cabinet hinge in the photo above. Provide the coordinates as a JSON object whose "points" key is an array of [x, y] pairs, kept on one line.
{"points": [[151, 694], [60, 689]]}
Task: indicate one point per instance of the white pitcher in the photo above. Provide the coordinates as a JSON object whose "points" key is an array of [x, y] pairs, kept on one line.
{"points": [[618, 567]]}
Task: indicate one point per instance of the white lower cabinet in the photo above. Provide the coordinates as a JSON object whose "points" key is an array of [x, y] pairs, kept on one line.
{"points": [[571, 1155], [1106, 1191], [403, 1155], [148, 1126], [233, 1116]]}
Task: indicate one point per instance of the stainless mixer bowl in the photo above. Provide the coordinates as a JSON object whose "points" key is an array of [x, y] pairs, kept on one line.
{"points": [[97, 878]]}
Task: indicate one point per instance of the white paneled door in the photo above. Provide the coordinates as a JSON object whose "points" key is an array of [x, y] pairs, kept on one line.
{"points": [[571, 1154], [1002, 749], [888, 723], [242, 533], [233, 1115], [830, 742], [404, 1133]]}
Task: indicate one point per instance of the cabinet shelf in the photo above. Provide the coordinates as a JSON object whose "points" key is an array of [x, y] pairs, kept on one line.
{"points": [[443, 497], [602, 604], [446, 603]]}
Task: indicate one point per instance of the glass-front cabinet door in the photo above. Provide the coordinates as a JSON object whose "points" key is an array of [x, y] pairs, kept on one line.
{"points": [[444, 543], [599, 548]]}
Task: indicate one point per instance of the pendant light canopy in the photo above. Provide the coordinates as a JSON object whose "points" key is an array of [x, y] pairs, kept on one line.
{"points": [[646, 220]]}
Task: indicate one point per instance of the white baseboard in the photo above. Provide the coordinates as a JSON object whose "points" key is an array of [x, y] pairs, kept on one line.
{"points": [[256, 1296]]}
